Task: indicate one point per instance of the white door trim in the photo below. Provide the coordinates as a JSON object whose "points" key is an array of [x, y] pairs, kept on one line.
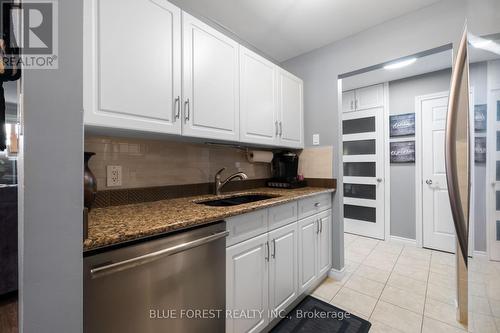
{"points": [[387, 164], [418, 161]]}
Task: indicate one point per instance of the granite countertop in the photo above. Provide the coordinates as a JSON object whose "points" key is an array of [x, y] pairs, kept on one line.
{"points": [[118, 224]]}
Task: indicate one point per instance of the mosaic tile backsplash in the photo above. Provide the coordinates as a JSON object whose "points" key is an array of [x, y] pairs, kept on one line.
{"points": [[148, 163]]}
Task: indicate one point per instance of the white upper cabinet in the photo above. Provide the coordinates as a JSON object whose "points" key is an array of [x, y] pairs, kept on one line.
{"points": [[258, 99], [210, 82], [369, 97], [291, 113], [348, 101], [132, 65]]}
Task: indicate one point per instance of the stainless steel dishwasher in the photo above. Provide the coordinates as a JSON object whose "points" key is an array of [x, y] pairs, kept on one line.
{"points": [[170, 284]]}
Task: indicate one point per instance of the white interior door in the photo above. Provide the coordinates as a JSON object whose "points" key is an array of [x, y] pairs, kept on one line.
{"points": [[438, 229], [363, 163]]}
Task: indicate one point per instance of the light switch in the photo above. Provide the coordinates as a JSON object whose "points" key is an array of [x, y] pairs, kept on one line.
{"points": [[315, 139]]}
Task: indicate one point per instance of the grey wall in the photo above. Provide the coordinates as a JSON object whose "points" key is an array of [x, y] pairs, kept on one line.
{"points": [[402, 95], [425, 29], [51, 197]]}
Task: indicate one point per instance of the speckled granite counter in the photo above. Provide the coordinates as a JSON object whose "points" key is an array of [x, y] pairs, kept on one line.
{"points": [[114, 225]]}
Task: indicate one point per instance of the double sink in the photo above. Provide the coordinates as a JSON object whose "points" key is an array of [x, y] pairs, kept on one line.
{"points": [[236, 200]]}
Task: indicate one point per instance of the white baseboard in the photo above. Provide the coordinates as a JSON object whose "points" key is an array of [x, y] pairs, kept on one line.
{"points": [[337, 274], [479, 253], [403, 241]]}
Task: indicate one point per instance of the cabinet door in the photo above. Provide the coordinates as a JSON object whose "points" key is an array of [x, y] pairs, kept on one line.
{"points": [[258, 99], [348, 101], [291, 124], [132, 65], [308, 238], [370, 97], [210, 82], [325, 244], [247, 283], [283, 287]]}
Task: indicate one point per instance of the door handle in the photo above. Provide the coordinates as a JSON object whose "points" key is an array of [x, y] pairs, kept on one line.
{"points": [[274, 249], [379, 180], [428, 181], [187, 110], [141, 260], [177, 108], [458, 91]]}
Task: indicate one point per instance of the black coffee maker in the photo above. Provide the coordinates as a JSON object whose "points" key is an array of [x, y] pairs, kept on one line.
{"points": [[284, 169]]}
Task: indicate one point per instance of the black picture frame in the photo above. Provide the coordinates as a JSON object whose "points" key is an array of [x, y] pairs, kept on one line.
{"points": [[402, 152], [480, 149], [480, 114], [402, 125]]}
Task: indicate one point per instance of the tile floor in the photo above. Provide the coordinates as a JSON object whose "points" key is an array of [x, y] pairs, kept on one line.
{"points": [[402, 288]]}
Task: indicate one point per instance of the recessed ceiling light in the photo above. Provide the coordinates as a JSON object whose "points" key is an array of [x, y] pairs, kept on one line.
{"points": [[400, 64]]}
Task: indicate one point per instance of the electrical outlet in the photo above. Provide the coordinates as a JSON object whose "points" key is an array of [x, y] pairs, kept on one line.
{"points": [[315, 139], [114, 175]]}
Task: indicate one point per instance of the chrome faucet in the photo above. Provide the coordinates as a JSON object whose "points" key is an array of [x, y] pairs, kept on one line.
{"points": [[219, 184]]}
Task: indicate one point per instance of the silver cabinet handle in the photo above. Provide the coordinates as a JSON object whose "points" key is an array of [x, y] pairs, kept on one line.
{"points": [[317, 204], [428, 181], [97, 272], [281, 128], [186, 110], [274, 249], [317, 226], [458, 101], [276, 126], [177, 107], [352, 105], [267, 251], [321, 225]]}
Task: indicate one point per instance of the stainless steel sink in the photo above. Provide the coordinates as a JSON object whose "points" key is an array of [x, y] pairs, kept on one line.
{"points": [[236, 200]]}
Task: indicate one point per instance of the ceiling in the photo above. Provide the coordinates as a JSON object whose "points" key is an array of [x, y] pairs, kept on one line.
{"points": [[284, 29]]}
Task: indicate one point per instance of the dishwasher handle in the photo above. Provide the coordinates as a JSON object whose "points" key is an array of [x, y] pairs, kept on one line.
{"points": [[100, 271]]}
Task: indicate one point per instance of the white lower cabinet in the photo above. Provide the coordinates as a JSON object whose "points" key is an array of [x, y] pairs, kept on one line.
{"points": [[283, 267], [247, 284], [315, 248], [266, 274]]}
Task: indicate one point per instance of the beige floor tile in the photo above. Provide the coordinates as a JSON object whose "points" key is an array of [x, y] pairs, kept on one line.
{"points": [[362, 251], [355, 257], [435, 326], [380, 262], [414, 262], [442, 269], [414, 272], [404, 299], [327, 289], [355, 302], [442, 280], [483, 324], [351, 266], [365, 286], [477, 289], [403, 282], [493, 289], [394, 316], [442, 312], [373, 273], [378, 327], [349, 238], [415, 252], [366, 242], [495, 308], [388, 247], [479, 305], [443, 258], [441, 293]]}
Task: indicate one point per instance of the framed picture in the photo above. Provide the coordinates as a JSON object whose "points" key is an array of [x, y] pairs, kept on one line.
{"points": [[402, 152], [480, 149], [402, 125], [480, 118]]}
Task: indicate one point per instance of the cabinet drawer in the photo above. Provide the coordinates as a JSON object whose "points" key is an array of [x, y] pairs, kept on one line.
{"points": [[243, 227], [315, 204], [282, 215]]}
